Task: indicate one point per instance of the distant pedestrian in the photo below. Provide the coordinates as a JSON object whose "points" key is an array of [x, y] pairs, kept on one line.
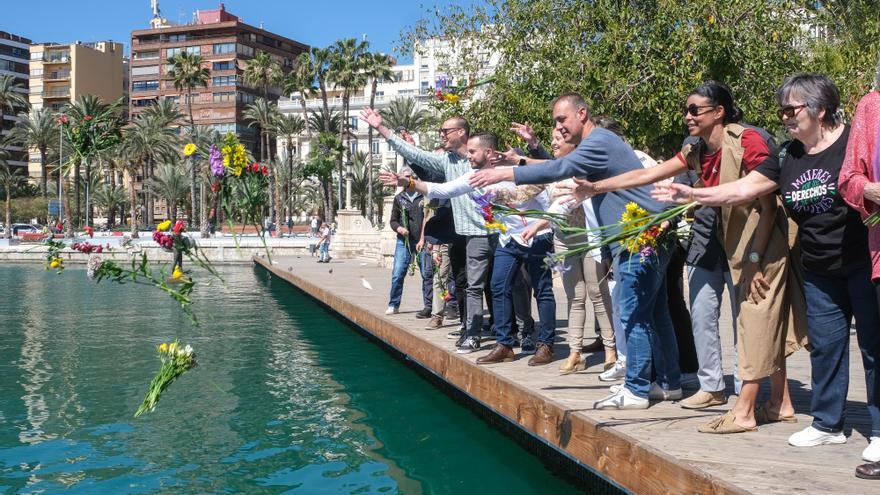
{"points": [[324, 234], [314, 226], [289, 226]]}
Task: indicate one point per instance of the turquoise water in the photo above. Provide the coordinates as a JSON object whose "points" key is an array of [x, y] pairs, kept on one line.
{"points": [[286, 399]]}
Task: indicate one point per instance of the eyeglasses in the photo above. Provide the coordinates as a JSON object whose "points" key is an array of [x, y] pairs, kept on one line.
{"points": [[446, 130], [694, 110], [789, 112]]}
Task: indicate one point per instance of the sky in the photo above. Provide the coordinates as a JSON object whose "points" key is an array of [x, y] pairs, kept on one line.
{"points": [[317, 23]]}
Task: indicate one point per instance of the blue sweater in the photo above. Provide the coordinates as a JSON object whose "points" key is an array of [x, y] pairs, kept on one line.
{"points": [[601, 155]]}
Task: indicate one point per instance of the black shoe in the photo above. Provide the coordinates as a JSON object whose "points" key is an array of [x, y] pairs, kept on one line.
{"points": [[424, 314], [452, 315]]}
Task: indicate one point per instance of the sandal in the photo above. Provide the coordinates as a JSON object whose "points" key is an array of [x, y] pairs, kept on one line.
{"points": [[763, 416], [724, 424]]}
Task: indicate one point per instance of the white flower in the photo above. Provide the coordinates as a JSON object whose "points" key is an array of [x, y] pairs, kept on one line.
{"points": [[93, 266], [188, 350]]}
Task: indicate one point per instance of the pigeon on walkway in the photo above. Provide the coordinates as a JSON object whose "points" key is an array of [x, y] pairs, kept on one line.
{"points": [[366, 284]]}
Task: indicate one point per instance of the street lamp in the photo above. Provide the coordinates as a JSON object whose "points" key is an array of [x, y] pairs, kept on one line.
{"points": [[348, 177]]}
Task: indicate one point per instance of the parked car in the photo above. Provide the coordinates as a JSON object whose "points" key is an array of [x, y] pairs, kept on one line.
{"points": [[20, 228]]}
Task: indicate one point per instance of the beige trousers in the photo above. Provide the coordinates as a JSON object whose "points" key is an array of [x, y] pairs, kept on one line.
{"points": [[586, 279], [441, 276]]}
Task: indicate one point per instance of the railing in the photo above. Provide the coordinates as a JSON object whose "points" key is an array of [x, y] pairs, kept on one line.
{"points": [[61, 93], [62, 74], [354, 102], [56, 59]]}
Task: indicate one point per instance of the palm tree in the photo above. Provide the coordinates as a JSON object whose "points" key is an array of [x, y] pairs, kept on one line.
{"points": [[301, 80], [318, 123], [264, 114], [90, 108], [321, 58], [325, 149], [10, 178], [170, 184], [401, 112], [204, 137], [378, 67], [187, 73], [347, 72], [37, 129], [288, 128], [12, 98], [145, 141], [262, 72], [109, 198], [165, 113]]}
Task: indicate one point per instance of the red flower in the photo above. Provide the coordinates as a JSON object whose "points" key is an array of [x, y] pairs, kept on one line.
{"points": [[90, 231], [63, 120], [215, 186], [178, 227], [439, 95], [265, 170], [87, 118]]}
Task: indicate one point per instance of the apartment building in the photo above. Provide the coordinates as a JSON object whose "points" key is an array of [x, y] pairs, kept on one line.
{"points": [[14, 58], [226, 43]]}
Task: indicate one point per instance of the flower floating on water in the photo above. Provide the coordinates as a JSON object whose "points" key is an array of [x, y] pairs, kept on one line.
{"points": [[176, 361], [56, 263], [189, 149], [177, 273]]}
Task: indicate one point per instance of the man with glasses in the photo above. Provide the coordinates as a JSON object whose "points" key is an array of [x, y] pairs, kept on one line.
{"points": [[479, 243]]}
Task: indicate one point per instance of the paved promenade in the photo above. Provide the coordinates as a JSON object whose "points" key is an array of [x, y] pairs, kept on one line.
{"points": [[657, 450]]}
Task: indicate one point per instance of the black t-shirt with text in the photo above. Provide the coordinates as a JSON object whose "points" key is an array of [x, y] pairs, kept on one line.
{"points": [[831, 234]]}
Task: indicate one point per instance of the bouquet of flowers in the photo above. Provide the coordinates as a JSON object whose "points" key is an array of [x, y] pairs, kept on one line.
{"points": [[53, 255], [176, 361], [488, 209], [445, 93]]}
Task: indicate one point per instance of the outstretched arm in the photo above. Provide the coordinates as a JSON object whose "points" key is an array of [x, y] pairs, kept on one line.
{"points": [[634, 178], [733, 193], [434, 162], [431, 190]]}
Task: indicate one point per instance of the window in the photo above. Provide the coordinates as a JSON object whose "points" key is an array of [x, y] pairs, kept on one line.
{"points": [[170, 52], [173, 99], [221, 48], [224, 96], [223, 81], [425, 86], [353, 145], [353, 123], [227, 65], [224, 128], [36, 55], [375, 147], [194, 50], [380, 93], [20, 52], [143, 103], [150, 55], [36, 72], [174, 38], [145, 85], [145, 71], [245, 97], [245, 50]]}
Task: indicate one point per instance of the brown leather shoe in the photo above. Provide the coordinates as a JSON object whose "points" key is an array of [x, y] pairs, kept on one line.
{"points": [[869, 471], [596, 346], [434, 323], [543, 355], [500, 354]]}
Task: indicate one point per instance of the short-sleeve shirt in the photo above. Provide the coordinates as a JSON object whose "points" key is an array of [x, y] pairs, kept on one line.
{"points": [[832, 235], [755, 151]]}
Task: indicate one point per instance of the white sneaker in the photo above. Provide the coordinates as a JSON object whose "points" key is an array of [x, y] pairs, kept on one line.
{"points": [[872, 452], [811, 437], [614, 373], [621, 399], [656, 392], [391, 310]]}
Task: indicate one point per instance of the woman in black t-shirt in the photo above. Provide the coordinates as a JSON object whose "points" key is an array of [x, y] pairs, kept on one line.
{"points": [[834, 250]]}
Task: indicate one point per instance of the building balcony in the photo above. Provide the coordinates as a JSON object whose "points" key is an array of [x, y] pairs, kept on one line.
{"points": [[51, 59], [354, 103], [61, 75], [56, 93]]}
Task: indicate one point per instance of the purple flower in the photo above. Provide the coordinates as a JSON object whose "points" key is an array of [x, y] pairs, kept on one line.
{"points": [[646, 252], [556, 265], [216, 161], [483, 200]]}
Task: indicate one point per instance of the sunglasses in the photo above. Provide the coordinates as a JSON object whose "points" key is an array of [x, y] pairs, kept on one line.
{"points": [[446, 130], [694, 110], [789, 112]]}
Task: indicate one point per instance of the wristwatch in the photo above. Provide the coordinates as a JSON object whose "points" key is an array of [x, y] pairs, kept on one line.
{"points": [[755, 257], [522, 161]]}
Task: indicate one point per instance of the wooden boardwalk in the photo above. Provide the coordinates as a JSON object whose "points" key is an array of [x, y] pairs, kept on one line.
{"points": [[657, 450]]}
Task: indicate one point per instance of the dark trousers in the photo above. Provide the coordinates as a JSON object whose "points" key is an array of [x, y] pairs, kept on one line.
{"points": [[457, 261], [508, 261], [678, 310], [833, 299]]}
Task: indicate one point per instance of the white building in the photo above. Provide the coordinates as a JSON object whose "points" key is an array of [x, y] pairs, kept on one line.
{"points": [[14, 61]]}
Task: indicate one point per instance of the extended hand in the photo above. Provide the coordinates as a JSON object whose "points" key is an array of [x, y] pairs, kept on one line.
{"points": [[530, 232], [420, 245], [402, 231], [509, 157], [526, 132], [673, 193], [371, 117], [576, 191], [389, 179], [483, 178]]}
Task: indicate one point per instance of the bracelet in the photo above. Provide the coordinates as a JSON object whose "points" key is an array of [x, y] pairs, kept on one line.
{"points": [[691, 196]]}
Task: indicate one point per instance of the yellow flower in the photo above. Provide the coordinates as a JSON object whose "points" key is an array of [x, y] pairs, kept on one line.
{"points": [[163, 347], [237, 171], [497, 226], [189, 149], [55, 263], [451, 97], [177, 273], [162, 227], [711, 19], [172, 347]]}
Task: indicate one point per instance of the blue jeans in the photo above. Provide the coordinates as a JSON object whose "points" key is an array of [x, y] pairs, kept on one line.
{"points": [[402, 259], [508, 260], [645, 320], [325, 251], [832, 301]]}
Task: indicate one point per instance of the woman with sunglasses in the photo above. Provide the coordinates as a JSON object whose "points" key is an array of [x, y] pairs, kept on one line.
{"points": [[834, 250], [741, 248]]}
